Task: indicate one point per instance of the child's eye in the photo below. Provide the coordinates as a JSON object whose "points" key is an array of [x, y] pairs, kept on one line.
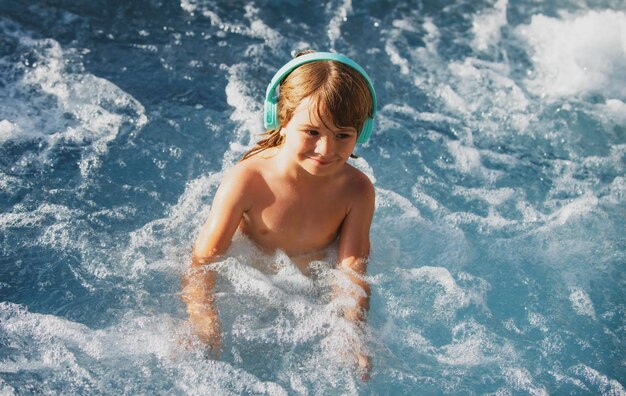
{"points": [[342, 136], [312, 132]]}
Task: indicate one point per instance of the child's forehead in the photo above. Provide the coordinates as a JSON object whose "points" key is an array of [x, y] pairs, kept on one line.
{"points": [[308, 111], [307, 108]]}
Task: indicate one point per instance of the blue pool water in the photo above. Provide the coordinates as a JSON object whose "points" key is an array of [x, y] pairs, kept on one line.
{"points": [[499, 160]]}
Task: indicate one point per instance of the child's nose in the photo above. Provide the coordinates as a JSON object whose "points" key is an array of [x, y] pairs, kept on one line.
{"points": [[324, 146]]}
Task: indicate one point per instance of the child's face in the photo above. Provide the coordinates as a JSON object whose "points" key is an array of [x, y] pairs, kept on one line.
{"points": [[316, 144]]}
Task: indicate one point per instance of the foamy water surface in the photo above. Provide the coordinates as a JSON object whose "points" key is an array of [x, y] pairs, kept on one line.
{"points": [[498, 157]]}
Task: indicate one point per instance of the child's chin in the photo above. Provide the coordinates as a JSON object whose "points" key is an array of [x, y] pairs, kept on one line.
{"points": [[323, 170]]}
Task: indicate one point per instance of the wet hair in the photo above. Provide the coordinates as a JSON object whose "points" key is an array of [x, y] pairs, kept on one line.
{"points": [[336, 90]]}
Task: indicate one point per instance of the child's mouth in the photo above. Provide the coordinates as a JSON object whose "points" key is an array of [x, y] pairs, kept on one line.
{"points": [[320, 161]]}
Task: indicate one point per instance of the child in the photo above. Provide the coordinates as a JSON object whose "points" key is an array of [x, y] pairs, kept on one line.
{"points": [[294, 190]]}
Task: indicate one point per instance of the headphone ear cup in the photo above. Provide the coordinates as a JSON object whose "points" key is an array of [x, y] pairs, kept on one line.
{"points": [[366, 131], [270, 118]]}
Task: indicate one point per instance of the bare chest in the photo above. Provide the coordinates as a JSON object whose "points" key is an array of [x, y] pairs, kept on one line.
{"points": [[294, 224]]}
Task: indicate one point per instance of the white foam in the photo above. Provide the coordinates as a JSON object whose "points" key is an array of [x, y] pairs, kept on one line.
{"points": [[552, 344], [24, 218], [602, 384], [486, 26], [581, 303], [616, 191], [432, 35], [50, 98], [450, 297], [418, 64], [9, 131], [473, 95], [486, 96], [344, 341], [521, 379], [578, 54], [510, 325], [255, 28], [189, 6], [467, 351], [560, 377], [538, 321], [467, 158], [6, 389], [425, 199], [574, 209], [492, 220], [134, 336], [614, 110], [396, 58], [65, 230], [339, 17], [394, 44], [164, 244], [452, 99], [413, 338], [493, 197], [393, 200], [269, 285], [259, 29], [452, 293], [275, 306], [45, 343], [472, 344], [203, 376], [247, 111]]}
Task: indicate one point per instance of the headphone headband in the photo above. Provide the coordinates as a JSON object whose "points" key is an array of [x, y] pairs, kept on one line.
{"points": [[271, 95]]}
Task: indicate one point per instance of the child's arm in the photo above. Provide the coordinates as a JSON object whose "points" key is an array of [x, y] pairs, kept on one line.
{"points": [[354, 246], [213, 240]]}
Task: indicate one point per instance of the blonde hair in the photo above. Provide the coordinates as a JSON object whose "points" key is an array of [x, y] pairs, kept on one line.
{"points": [[336, 89]]}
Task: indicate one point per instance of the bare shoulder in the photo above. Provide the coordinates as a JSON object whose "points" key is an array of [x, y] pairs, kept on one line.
{"points": [[357, 179], [238, 183], [358, 184], [242, 173]]}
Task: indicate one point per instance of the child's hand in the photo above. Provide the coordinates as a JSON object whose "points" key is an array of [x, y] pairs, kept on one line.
{"points": [[207, 329], [365, 366]]}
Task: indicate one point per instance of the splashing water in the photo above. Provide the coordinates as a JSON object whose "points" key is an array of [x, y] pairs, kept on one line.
{"points": [[498, 158]]}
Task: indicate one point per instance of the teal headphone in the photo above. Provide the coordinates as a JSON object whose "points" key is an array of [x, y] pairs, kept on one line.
{"points": [[270, 118]]}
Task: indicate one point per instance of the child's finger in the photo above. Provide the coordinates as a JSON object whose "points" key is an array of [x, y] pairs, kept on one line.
{"points": [[365, 366]]}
